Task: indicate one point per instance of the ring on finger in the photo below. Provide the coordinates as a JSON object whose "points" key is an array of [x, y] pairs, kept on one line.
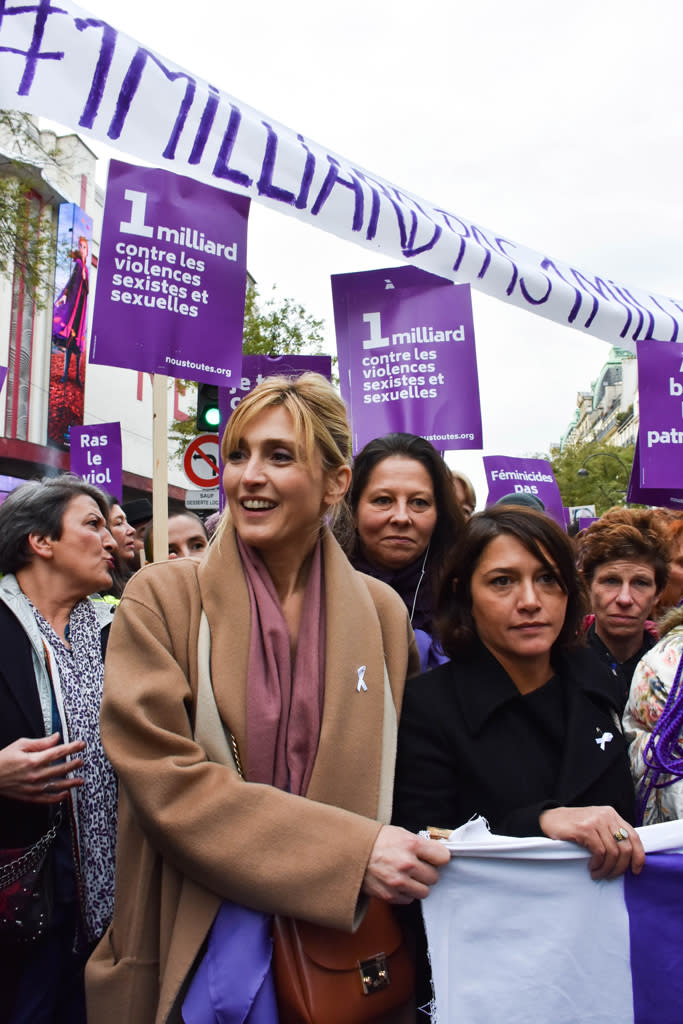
{"points": [[621, 834]]}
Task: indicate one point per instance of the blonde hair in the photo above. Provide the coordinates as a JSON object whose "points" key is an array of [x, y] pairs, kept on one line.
{"points": [[318, 413]]}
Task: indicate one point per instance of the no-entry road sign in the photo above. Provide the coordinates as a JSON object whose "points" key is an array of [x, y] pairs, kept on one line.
{"points": [[200, 461]]}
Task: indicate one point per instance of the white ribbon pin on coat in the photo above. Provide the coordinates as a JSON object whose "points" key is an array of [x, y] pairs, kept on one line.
{"points": [[362, 685], [606, 737]]}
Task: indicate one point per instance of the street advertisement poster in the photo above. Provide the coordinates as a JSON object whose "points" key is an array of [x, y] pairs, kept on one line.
{"points": [[580, 517], [96, 456], [508, 475], [577, 512], [254, 370], [407, 358], [662, 497], [69, 323], [660, 393], [171, 277], [3, 377]]}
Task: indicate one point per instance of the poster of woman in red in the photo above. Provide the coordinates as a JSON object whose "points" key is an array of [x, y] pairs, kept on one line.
{"points": [[69, 323]]}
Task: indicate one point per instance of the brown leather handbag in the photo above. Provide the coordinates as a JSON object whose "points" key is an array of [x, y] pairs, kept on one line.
{"points": [[322, 975], [325, 976]]}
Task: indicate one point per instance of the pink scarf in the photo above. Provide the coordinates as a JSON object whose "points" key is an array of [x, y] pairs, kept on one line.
{"points": [[284, 701]]}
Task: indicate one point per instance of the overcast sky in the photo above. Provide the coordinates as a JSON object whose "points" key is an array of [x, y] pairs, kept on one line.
{"points": [[556, 125]]}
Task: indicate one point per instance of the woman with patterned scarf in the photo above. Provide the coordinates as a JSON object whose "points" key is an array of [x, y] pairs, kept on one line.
{"points": [[55, 549]]}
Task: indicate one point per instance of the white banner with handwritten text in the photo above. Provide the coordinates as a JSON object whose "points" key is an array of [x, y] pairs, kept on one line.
{"points": [[60, 62]]}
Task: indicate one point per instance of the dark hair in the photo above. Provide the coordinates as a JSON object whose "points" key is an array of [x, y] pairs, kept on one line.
{"points": [[450, 520], [622, 534], [122, 571], [38, 506], [540, 535], [148, 535]]}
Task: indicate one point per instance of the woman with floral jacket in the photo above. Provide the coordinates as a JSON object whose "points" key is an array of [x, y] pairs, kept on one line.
{"points": [[653, 726]]}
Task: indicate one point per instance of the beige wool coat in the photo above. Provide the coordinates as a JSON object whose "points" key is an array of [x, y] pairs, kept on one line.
{"points": [[191, 832]]}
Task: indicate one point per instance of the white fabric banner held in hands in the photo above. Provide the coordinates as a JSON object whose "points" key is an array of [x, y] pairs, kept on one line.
{"points": [[518, 931]]}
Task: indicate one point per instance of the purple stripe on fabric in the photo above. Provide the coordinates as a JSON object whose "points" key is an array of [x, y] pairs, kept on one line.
{"points": [[234, 983], [655, 907]]}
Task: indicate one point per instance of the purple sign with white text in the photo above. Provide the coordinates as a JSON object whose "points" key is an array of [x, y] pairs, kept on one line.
{"points": [[508, 475], [407, 357], [171, 277], [96, 456], [254, 370], [660, 392], [663, 497], [257, 368], [3, 376]]}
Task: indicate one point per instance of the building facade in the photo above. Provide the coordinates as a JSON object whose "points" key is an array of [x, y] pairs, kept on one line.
{"points": [[608, 413], [60, 169]]}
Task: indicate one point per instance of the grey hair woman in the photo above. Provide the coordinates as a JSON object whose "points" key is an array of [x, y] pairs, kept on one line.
{"points": [[55, 549]]}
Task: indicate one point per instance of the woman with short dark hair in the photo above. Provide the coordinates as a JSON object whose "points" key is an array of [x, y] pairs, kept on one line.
{"points": [[500, 729], [55, 549], [520, 726], [540, 535]]}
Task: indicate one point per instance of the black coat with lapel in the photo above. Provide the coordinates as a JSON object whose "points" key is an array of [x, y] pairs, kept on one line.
{"points": [[20, 716], [468, 746]]}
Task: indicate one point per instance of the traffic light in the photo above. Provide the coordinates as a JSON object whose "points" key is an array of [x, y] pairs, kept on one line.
{"points": [[208, 417]]}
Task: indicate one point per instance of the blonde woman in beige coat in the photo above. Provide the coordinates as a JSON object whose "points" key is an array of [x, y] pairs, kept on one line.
{"points": [[306, 835]]}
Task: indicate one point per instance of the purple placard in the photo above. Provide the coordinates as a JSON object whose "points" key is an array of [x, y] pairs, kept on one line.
{"points": [[96, 456], [660, 393], [3, 376], [171, 276], [662, 497], [254, 369], [407, 357], [406, 276], [508, 475]]}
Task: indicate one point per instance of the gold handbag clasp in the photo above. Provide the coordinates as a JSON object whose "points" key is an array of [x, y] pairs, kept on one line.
{"points": [[374, 973]]}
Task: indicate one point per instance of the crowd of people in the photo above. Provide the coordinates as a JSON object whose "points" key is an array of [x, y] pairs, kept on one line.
{"points": [[258, 726]]}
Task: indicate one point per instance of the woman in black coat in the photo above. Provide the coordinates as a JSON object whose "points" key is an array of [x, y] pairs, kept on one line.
{"points": [[521, 725], [55, 549]]}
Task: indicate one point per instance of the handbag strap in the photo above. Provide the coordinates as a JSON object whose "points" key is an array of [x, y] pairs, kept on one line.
{"points": [[30, 858], [15, 869], [216, 739]]}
